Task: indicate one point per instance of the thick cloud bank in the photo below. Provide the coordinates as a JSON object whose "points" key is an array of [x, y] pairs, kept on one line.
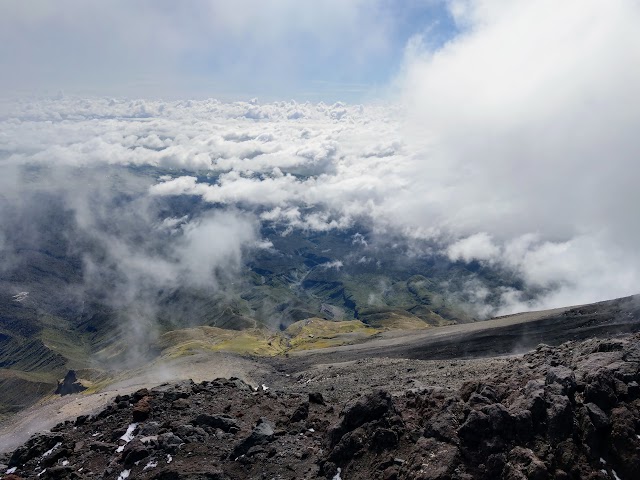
{"points": [[530, 122]]}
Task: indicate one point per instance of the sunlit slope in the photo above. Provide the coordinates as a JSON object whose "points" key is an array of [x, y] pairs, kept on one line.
{"points": [[304, 334]]}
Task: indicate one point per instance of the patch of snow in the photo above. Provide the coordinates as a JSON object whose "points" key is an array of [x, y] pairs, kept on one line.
{"points": [[20, 297], [95, 434], [128, 436], [49, 452], [65, 463], [149, 465], [264, 388], [615, 475], [11, 470], [311, 430], [124, 474], [169, 458], [42, 472], [603, 461], [337, 475]]}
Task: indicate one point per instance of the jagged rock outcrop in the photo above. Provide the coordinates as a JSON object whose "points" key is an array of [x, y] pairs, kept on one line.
{"points": [[567, 412], [69, 384]]}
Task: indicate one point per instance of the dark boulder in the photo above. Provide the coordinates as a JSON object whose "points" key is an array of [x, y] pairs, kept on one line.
{"points": [[442, 426], [169, 442], [598, 417], [564, 377], [142, 409], [223, 422], [317, 398], [559, 417], [301, 413], [524, 464], [60, 472], [368, 408], [261, 434], [600, 390], [383, 439], [134, 451], [69, 384]]}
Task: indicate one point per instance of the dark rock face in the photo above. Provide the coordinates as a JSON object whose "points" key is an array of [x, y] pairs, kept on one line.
{"points": [[223, 422], [567, 412], [316, 397], [301, 413], [261, 434], [69, 384], [372, 407]]}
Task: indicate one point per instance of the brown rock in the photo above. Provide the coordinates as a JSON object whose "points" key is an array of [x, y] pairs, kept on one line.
{"points": [[142, 409]]}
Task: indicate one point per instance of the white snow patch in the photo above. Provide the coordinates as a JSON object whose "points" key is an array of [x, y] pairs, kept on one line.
{"points": [[169, 458], [48, 452], [20, 297], [337, 475], [311, 430], [150, 465], [11, 470], [42, 472], [603, 461], [128, 436], [124, 474], [65, 463], [264, 388], [615, 475]]}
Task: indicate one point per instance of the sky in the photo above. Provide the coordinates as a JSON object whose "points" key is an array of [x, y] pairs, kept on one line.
{"points": [[331, 50], [503, 131]]}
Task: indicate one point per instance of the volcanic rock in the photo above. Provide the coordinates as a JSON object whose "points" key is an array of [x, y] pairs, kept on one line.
{"points": [[69, 384]]}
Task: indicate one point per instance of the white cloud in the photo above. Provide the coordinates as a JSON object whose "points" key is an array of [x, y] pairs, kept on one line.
{"points": [[514, 144], [476, 247], [527, 121]]}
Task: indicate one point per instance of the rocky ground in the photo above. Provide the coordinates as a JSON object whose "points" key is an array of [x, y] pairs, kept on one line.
{"points": [[571, 411]]}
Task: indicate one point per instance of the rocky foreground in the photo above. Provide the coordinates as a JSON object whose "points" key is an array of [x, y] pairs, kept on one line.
{"points": [[571, 411]]}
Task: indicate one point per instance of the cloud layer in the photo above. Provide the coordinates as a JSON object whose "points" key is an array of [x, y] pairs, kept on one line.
{"points": [[513, 145], [530, 119]]}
